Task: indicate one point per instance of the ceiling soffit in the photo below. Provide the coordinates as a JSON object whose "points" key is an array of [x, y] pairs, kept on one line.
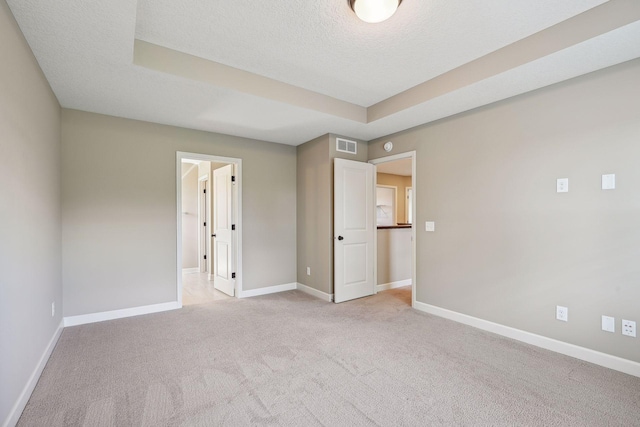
{"points": [[585, 26]]}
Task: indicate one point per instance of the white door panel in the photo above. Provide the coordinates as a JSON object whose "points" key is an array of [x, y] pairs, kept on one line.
{"points": [[354, 228], [222, 229]]}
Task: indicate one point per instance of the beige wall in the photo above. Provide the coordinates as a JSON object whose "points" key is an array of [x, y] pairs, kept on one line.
{"points": [[508, 248], [190, 224], [204, 169], [315, 208], [315, 240], [120, 239], [30, 276], [362, 151], [402, 183], [394, 255]]}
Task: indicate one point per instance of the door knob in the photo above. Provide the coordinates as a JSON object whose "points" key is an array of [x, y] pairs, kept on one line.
{"points": [[213, 235], [340, 238]]}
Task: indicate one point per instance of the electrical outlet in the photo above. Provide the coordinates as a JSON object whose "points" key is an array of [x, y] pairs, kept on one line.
{"points": [[629, 328], [608, 323], [308, 271], [562, 313], [562, 185], [53, 309]]}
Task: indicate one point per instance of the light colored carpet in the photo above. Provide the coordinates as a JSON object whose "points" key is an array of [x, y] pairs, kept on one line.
{"points": [[290, 359]]}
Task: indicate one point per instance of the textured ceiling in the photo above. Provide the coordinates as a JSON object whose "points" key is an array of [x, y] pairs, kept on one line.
{"points": [[311, 50]]}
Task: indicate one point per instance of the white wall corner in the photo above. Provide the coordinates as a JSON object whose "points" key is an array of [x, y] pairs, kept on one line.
{"points": [[393, 285], [21, 403], [267, 290], [598, 358], [119, 314], [314, 292]]}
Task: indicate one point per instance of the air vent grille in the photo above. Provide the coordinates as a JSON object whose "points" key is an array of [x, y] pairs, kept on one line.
{"points": [[346, 146]]}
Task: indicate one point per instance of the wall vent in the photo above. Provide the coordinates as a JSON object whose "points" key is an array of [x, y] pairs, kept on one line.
{"points": [[346, 146]]}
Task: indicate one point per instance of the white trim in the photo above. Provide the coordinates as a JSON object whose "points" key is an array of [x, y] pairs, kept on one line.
{"points": [[314, 292], [21, 403], [608, 361], [180, 156], [412, 156], [190, 270], [268, 290], [203, 248], [393, 285], [239, 228], [83, 319]]}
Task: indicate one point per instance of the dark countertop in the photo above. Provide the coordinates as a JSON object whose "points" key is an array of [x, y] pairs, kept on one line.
{"points": [[385, 227]]}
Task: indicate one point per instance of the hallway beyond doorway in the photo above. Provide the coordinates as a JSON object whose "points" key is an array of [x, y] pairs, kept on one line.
{"points": [[197, 289]]}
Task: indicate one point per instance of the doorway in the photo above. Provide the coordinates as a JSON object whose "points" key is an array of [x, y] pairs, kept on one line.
{"points": [[395, 239], [209, 204], [356, 230]]}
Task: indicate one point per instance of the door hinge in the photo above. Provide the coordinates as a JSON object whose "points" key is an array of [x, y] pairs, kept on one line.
{"points": [[233, 226], [233, 178], [205, 224], [205, 257], [204, 191], [233, 275]]}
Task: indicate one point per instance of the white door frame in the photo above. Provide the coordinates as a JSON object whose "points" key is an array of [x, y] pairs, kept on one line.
{"points": [[180, 155], [203, 217], [408, 155]]}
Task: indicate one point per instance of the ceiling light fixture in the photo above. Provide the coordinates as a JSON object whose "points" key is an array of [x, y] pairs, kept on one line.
{"points": [[374, 11]]}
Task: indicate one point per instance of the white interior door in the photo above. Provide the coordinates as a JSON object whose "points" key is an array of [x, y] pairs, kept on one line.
{"points": [[202, 219], [222, 230], [354, 227]]}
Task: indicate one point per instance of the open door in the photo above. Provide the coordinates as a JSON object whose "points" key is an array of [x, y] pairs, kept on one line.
{"points": [[223, 279], [203, 213], [354, 227]]}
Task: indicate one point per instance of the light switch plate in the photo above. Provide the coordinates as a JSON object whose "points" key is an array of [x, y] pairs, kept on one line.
{"points": [[609, 182], [608, 324], [562, 185], [430, 226]]}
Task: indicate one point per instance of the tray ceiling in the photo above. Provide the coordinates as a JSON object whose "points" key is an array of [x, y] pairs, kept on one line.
{"points": [[288, 72]]}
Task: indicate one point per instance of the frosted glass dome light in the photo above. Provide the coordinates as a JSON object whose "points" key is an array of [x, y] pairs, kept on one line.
{"points": [[374, 11]]}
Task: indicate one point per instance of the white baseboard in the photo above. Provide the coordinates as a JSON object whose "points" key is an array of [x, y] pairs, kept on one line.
{"points": [[267, 290], [608, 361], [119, 314], [393, 285], [21, 403], [191, 270], [314, 292]]}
